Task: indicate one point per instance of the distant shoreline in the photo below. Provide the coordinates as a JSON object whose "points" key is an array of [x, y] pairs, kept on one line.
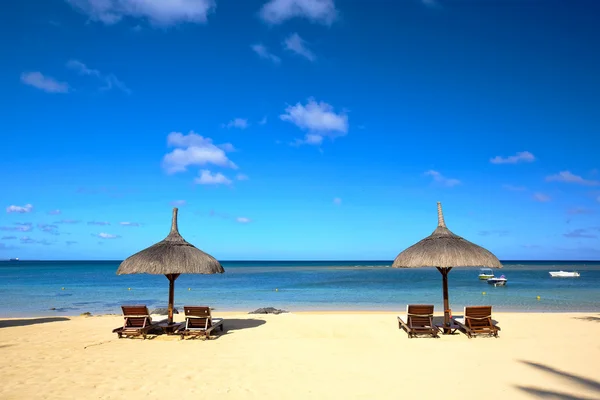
{"points": [[400, 310]]}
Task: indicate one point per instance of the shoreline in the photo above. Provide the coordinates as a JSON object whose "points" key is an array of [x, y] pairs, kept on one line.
{"points": [[217, 313]]}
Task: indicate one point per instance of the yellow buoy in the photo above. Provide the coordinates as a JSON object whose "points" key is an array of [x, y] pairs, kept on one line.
{"points": [[538, 297], [277, 290], [62, 288], [128, 288], [189, 288], [483, 293]]}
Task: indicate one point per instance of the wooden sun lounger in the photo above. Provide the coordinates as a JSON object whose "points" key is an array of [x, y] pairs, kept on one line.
{"points": [[419, 321], [477, 320], [199, 322], [137, 322]]}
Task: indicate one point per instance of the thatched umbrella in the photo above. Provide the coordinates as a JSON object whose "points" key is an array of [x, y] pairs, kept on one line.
{"points": [[171, 257], [445, 250]]}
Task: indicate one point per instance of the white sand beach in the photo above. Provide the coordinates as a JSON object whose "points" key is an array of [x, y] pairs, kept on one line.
{"points": [[337, 355]]}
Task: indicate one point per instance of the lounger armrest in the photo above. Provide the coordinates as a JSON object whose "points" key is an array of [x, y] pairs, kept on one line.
{"points": [[403, 322]]}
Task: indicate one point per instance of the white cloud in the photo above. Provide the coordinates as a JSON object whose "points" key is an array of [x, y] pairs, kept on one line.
{"points": [[82, 69], [263, 121], [101, 223], [159, 13], [193, 150], [441, 179], [20, 227], [298, 45], [337, 201], [521, 156], [279, 11], [49, 228], [103, 235], [178, 203], [110, 81], [580, 234], [226, 147], [543, 198], [54, 212], [319, 119], [579, 211], [45, 83], [208, 178], [239, 123], [311, 138], [27, 208], [243, 220], [568, 177], [263, 52], [129, 223], [28, 240], [242, 177]]}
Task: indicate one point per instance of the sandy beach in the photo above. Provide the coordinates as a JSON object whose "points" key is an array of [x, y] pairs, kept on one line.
{"points": [[302, 355]]}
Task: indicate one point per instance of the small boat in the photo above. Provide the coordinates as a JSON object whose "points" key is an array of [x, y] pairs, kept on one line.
{"points": [[13, 259], [564, 274], [498, 281], [486, 273]]}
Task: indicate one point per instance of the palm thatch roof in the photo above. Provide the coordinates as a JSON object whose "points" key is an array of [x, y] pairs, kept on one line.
{"points": [[444, 249], [173, 255]]}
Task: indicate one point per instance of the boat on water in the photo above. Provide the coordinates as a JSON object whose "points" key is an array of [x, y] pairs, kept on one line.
{"points": [[486, 273], [564, 274], [13, 259], [501, 281]]}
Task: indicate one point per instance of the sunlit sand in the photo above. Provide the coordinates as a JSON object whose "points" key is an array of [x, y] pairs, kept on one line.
{"points": [[302, 355]]}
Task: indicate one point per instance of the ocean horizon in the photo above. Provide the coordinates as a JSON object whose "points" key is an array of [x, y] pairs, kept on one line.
{"points": [[66, 288]]}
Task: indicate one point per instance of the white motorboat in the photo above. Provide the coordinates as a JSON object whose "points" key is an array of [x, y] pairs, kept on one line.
{"points": [[486, 273], [501, 281], [564, 274]]}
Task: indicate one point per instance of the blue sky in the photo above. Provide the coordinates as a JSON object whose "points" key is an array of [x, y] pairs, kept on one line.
{"points": [[299, 129]]}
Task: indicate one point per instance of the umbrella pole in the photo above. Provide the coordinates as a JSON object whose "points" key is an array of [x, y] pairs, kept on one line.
{"points": [[444, 272], [171, 278]]}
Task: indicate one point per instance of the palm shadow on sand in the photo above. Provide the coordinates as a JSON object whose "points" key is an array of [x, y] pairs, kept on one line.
{"points": [[9, 323], [589, 318], [574, 380]]}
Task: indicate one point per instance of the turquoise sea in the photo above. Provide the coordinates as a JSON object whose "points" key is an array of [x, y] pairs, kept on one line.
{"points": [[32, 288]]}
